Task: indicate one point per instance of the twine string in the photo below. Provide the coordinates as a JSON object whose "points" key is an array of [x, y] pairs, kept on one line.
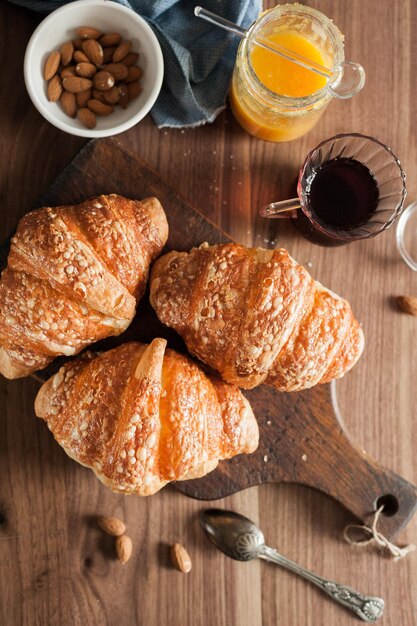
{"points": [[375, 536]]}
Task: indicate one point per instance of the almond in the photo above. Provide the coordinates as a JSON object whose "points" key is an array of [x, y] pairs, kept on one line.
{"points": [[134, 73], [130, 59], [75, 84], [408, 304], [112, 96], [87, 117], [87, 32], [99, 95], [67, 50], [118, 70], [81, 57], [69, 103], [180, 558], [82, 97], [68, 71], [111, 525], [51, 65], [110, 39], [86, 70], [124, 96], [78, 43], [94, 51], [103, 81], [108, 54], [100, 108], [123, 548], [121, 51], [54, 89], [133, 90]]}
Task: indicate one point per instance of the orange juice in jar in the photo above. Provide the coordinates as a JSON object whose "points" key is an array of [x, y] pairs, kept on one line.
{"points": [[271, 97]]}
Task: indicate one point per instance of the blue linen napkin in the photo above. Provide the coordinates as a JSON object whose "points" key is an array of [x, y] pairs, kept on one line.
{"points": [[198, 56]]}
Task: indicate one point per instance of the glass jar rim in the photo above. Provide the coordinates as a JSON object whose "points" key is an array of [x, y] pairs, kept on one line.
{"points": [[326, 23]]}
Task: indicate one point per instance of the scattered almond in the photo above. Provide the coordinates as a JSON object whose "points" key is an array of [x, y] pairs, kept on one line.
{"points": [[51, 65], [82, 97], [100, 108], [134, 73], [54, 89], [121, 51], [81, 57], [87, 117], [68, 71], [408, 304], [87, 32], [103, 81], [130, 58], [133, 90], [180, 558], [69, 103], [124, 548], [111, 525], [86, 70], [67, 50], [94, 51], [75, 84], [110, 39], [118, 70]]}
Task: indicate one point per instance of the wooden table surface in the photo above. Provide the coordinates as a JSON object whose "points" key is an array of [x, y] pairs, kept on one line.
{"points": [[56, 568]]}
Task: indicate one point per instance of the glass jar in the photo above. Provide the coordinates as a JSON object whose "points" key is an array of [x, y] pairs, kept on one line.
{"points": [[264, 113]]}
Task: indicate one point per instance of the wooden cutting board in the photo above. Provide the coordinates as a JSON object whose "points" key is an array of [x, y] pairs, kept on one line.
{"points": [[303, 439]]}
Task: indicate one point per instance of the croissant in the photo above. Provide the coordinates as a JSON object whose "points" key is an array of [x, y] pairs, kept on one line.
{"points": [[140, 416], [256, 316], [74, 276]]}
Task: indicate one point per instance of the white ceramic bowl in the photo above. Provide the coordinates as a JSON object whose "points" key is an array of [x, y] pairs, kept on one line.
{"points": [[107, 16]]}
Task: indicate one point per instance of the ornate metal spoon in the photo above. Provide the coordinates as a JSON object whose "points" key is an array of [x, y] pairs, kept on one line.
{"points": [[240, 539]]}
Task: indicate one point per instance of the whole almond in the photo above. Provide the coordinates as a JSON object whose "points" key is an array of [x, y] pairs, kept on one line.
{"points": [[100, 108], [408, 304], [130, 59], [78, 43], [94, 51], [87, 117], [180, 558], [81, 57], [124, 548], [68, 71], [87, 32], [111, 525], [108, 54], [112, 96], [99, 95], [51, 65], [110, 39], [54, 89], [103, 81], [69, 103], [82, 97], [118, 70], [121, 51], [67, 50], [124, 96], [75, 84], [86, 70], [133, 90], [134, 73]]}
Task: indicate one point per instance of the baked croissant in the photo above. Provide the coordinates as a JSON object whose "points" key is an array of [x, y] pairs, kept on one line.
{"points": [[140, 416], [74, 276], [256, 316]]}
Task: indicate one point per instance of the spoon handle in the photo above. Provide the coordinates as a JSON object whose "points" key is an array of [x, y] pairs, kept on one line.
{"points": [[368, 608]]}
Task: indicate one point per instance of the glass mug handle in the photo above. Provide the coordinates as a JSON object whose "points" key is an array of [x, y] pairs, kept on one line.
{"points": [[284, 209]]}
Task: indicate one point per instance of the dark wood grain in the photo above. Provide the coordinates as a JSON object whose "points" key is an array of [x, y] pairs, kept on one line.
{"points": [[54, 563]]}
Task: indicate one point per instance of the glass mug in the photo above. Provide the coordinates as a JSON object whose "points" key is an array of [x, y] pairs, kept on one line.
{"points": [[258, 108], [350, 187]]}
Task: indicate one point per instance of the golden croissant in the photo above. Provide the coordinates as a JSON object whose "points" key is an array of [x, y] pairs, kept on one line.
{"points": [[256, 316], [140, 416], [74, 275]]}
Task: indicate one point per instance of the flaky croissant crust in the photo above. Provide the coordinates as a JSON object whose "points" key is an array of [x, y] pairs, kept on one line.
{"points": [[256, 316], [74, 275], [140, 416]]}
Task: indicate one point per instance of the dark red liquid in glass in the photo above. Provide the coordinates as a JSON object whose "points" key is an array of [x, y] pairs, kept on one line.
{"points": [[343, 194]]}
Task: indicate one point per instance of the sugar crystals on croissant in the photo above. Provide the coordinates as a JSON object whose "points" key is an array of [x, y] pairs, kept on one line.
{"points": [[140, 416], [74, 275], [256, 316]]}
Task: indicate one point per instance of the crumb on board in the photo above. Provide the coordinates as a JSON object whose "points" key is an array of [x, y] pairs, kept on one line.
{"points": [[266, 458], [268, 422], [304, 457]]}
